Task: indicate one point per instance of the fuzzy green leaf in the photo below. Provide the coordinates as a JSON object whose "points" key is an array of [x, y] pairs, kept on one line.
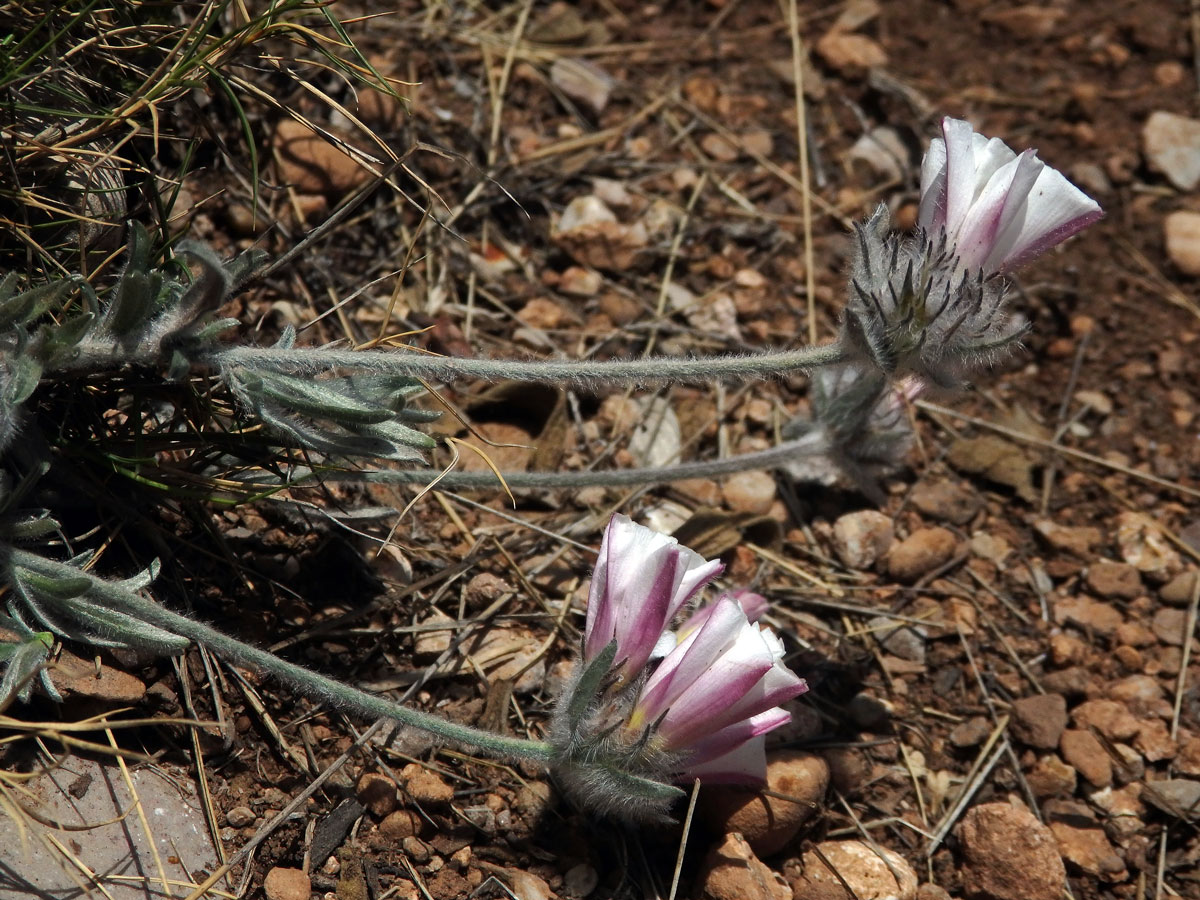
{"points": [[587, 687]]}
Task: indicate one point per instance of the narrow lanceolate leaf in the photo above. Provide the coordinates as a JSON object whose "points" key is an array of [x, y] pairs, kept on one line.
{"points": [[131, 305], [24, 375], [22, 662], [588, 686], [108, 628], [18, 309], [323, 440], [82, 607], [55, 588], [33, 527], [61, 340], [638, 789], [321, 399], [398, 435]]}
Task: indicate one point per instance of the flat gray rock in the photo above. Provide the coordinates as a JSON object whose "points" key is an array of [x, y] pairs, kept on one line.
{"points": [[36, 861]]}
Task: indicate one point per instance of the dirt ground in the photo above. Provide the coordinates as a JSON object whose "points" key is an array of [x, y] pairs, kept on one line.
{"points": [[1020, 643]]}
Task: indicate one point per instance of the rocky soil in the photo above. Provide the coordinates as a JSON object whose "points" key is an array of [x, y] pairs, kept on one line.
{"points": [[1005, 689]]}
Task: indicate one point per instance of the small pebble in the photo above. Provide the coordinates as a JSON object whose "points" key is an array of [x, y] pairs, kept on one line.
{"points": [[922, 551], [1007, 854], [750, 492], [377, 793], [1113, 579], [1052, 777], [1086, 755], [850, 53], [1171, 144], [868, 871], [1170, 626], [1181, 231], [1178, 591], [946, 500], [401, 824], [731, 871], [240, 816], [287, 884], [425, 786], [1039, 720], [860, 538], [970, 733], [1088, 848], [768, 821]]}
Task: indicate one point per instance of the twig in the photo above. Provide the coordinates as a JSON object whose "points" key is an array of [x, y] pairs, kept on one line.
{"points": [[141, 814], [805, 180], [284, 814], [687, 827], [1063, 406], [1189, 635], [975, 778], [672, 256]]}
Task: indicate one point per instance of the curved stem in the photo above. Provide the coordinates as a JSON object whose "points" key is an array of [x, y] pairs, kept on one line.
{"points": [[307, 681], [657, 369], [812, 444]]}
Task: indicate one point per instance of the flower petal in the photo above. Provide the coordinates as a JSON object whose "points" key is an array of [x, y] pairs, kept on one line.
{"points": [[693, 660], [733, 736], [705, 705], [754, 605], [960, 174], [997, 209], [601, 608], [931, 215], [777, 685], [745, 764], [1054, 211], [641, 581], [998, 204]]}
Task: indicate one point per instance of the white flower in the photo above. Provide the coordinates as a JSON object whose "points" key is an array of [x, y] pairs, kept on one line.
{"points": [[717, 693], [641, 581], [998, 209], [650, 705]]}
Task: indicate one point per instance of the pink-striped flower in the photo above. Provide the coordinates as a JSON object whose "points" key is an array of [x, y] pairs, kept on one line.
{"points": [[651, 704], [754, 605], [717, 693], [998, 209], [641, 582]]}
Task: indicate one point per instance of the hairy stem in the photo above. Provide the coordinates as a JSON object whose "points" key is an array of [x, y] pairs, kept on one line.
{"points": [[812, 444], [640, 371], [309, 682]]}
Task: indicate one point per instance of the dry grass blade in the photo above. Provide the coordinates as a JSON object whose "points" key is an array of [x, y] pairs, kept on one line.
{"points": [[798, 54], [985, 761], [1188, 632], [683, 838], [95, 91], [79, 866], [141, 814], [296, 802], [660, 306]]}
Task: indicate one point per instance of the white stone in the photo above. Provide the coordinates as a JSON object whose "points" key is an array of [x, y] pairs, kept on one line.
{"points": [[882, 151], [582, 80], [860, 538], [1172, 146], [1182, 232]]}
